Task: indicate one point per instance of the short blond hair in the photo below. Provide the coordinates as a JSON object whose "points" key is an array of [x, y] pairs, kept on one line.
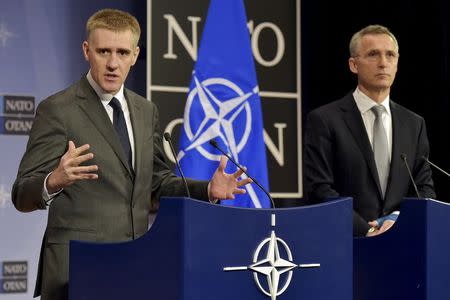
{"points": [[114, 20], [371, 29]]}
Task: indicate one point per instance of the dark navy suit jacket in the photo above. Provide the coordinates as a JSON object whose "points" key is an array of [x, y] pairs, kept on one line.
{"points": [[339, 160]]}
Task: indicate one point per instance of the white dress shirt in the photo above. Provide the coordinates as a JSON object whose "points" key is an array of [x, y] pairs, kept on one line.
{"points": [[365, 104], [106, 98]]}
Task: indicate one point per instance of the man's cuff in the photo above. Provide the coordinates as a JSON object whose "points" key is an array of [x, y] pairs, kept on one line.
{"points": [[213, 201], [48, 198]]}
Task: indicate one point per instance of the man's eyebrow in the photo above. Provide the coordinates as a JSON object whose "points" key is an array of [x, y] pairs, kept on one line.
{"points": [[124, 50]]}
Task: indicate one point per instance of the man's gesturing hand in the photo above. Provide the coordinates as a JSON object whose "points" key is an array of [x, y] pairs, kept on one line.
{"points": [[225, 186], [69, 169]]}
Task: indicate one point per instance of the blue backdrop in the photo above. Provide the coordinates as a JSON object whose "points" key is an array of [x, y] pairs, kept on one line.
{"points": [[40, 54]]}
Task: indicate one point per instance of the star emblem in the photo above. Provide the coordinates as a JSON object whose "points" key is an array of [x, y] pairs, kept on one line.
{"points": [[223, 103], [4, 34], [272, 266], [220, 114], [4, 196]]}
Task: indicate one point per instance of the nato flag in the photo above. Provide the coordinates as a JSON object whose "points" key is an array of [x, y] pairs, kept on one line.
{"points": [[224, 104]]}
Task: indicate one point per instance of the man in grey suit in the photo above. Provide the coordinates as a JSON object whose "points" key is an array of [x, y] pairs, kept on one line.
{"points": [[359, 145], [94, 156]]}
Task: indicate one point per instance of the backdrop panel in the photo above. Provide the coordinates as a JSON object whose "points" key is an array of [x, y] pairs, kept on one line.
{"points": [[175, 29], [40, 53]]}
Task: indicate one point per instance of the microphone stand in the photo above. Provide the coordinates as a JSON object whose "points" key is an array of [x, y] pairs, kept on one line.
{"points": [[168, 138]]}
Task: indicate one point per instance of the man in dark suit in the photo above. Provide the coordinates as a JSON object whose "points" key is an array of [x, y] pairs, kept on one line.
{"points": [[354, 146], [95, 159]]}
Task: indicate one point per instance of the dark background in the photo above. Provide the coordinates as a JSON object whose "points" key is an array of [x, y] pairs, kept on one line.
{"points": [[422, 84]]}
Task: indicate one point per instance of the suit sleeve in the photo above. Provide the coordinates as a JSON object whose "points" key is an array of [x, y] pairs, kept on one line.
{"points": [[318, 160], [422, 170], [319, 166], [164, 182], [46, 145]]}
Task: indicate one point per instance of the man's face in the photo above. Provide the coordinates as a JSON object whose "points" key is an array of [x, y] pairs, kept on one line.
{"points": [[110, 55], [376, 62]]}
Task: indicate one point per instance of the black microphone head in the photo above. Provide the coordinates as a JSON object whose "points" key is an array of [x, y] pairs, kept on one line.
{"points": [[213, 143], [167, 136], [403, 156]]}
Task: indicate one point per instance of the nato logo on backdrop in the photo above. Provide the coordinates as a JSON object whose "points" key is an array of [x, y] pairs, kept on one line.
{"points": [[14, 277], [16, 114]]}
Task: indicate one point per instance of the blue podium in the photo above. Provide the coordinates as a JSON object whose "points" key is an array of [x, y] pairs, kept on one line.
{"points": [[411, 260], [196, 250]]}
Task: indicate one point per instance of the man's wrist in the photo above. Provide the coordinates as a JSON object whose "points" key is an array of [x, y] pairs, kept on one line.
{"points": [[48, 197], [211, 199], [49, 185]]}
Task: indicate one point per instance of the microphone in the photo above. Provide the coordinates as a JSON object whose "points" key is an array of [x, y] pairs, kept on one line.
{"points": [[215, 145], [168, 138], [403, 156], [428, 161]]}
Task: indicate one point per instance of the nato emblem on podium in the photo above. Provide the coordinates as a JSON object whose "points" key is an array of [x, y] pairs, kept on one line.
{"points": [[272, 272]]}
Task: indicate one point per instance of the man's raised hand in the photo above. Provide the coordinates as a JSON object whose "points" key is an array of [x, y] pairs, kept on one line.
{"points": [[225, 186], [69, 169]]}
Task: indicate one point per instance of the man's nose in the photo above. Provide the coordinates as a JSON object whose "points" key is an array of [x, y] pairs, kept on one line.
{"points": [[382, 61], [112, 62]]}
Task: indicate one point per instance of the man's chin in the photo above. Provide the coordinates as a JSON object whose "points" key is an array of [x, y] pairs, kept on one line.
{"points": [[111, 88], [383, 84]]}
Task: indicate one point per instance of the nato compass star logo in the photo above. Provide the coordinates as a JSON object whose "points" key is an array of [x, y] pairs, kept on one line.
{"points": [[219, 116], [222, 109], [4, 35], [4, 196], [271, 267]]}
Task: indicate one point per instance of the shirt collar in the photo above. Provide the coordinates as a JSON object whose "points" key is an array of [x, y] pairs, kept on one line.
{"points": [[365, 103], [105, 97]]}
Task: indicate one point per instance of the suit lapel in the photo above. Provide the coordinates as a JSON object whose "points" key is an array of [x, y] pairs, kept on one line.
{"points": [[354, 121], [398, 130], [93, 108], [137, 121]]}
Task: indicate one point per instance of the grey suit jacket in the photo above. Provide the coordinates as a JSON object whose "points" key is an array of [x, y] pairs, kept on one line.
{"points": [[339, 160], [113, 208]]}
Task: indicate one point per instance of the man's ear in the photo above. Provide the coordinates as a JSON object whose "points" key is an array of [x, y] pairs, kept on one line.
{"points": [[353, 65], [136, 54], [85, 47]]}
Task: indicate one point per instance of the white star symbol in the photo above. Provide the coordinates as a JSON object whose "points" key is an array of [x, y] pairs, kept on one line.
{"points": [[219, 117], [273, 266], [4, 35], [228, 111], [4, 196]]}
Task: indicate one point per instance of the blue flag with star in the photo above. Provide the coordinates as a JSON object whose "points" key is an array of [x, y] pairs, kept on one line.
{"points": [[224, 104]]}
